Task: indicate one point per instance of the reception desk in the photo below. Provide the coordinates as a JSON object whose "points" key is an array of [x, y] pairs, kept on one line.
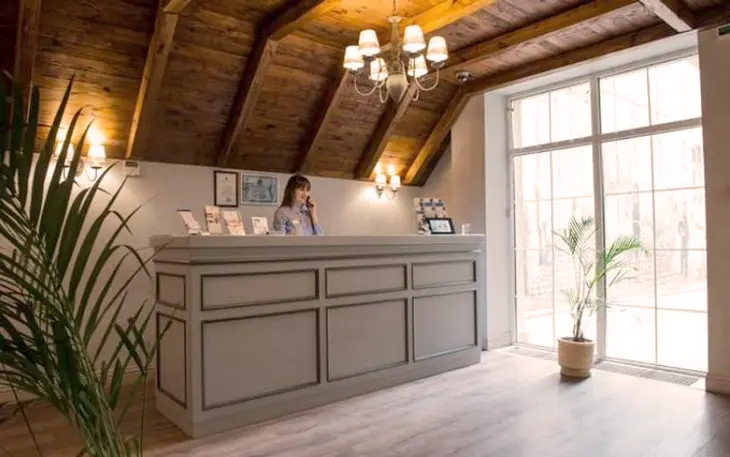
{"points": [[257, 327]]}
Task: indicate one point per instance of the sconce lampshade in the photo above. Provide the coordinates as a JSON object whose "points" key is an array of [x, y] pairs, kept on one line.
{"points": [[413, 39], [381, 179], [437, 51], [353, 59], [378, 70], [420, 67], [395, 182], [97, 155], [368, 43]]}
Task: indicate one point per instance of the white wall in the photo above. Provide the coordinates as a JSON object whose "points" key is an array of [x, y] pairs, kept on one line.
{"points": [[715, 81], [344, 206]]}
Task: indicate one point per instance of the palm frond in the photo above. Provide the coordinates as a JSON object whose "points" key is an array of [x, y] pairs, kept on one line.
{"points": [[63, 282]]}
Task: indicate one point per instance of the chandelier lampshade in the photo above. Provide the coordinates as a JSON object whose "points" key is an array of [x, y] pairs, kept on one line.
{"points": [[353, 59], [437, 51], [402, 64], [417, 67], [413, 41], [378, 70], [368, 43]]}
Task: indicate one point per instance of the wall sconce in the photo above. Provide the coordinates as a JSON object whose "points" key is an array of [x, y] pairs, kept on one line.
{"points": [[95, 157], [381, 185], [95, 160]]}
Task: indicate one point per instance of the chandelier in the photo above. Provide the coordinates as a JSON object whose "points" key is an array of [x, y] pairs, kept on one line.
{"points": [[406, 62]]}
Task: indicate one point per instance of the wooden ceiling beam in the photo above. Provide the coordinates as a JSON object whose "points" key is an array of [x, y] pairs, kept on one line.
{"points": [[26, 45], [285, 22], [569, 58], [153, 75], [511, 41], [176, 6], [329, 106], [384, 131], [300, 14], [423, 164], [672, 12]]}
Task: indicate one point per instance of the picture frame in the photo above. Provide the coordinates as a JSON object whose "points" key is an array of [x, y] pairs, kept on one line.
{"points": [[441, 225], [225, 189], [261, 190]]}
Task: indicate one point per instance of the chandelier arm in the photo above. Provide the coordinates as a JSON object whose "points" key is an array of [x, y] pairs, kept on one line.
{"points": [[364, 94], [432, 87]]}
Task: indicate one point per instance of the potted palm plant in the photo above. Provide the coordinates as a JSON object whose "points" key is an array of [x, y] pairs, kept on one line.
{"points": [[65, 274], [608, 267]]}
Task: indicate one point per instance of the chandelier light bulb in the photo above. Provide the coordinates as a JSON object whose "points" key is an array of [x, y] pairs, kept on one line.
{"points": [[413, 41], [378, 70], [437, 51], [368, 43], [353, 59], [421, 69]]}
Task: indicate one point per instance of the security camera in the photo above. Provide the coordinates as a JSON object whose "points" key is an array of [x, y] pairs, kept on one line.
{"points": [[463, 76]]}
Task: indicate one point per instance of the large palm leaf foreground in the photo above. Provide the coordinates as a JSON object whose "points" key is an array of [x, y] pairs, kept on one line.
{"points": [[64, 279], [609, 267]]}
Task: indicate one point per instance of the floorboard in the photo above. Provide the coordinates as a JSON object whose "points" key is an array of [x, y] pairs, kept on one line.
{"points": [[510, 405]]}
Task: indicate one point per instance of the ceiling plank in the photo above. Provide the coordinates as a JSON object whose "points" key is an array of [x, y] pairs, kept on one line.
{"points": [[297, 16], [511, 41], [176, 6], [149, 89], [26, 45], [422, 165], [386, 125], [672, 12], [573, 57], [329, 106]]}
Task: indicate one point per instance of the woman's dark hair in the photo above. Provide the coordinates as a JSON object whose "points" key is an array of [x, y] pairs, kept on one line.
{"points": [[294, 183]]}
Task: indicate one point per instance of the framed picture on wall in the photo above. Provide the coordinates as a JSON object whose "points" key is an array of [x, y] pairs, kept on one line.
{"points": [[259, 190], [225, 188]]}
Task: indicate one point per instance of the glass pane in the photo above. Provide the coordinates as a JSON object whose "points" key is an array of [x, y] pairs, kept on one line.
{"points": [[570, 111], [532, 177], [682, 339], [535, 321], [678, 160], [566, 208], [533, 226], [682, 280], [534, 274], [624, 101], [630, 334], [629, 214], [627, 165], [531, 121], [572, 171], [680, 219], [674, 89]]}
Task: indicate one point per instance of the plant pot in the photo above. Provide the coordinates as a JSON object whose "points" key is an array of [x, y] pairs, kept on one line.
{"points": [[575, 357]]}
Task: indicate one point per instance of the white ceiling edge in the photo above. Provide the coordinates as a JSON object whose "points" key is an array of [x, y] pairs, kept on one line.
{"points": [[645, 52]]}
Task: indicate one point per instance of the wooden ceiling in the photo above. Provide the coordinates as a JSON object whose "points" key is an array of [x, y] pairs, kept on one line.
{"points": [[259, 85]]}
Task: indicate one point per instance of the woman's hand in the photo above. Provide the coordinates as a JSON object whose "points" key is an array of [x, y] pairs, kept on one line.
{"points": [[312, 205]]}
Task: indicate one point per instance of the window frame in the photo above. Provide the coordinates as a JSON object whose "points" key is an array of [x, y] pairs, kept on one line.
{"points": [[596, 140]]}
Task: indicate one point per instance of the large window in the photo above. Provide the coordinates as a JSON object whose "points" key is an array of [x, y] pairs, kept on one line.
{"points": [[630, 146]]}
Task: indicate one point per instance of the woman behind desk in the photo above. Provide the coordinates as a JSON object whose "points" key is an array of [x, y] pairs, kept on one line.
{"points": [[297, 214]]}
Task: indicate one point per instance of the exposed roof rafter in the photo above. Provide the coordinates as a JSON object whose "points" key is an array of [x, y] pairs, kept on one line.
{"points": [[672, 12], [288, 21], [26, 45], [386, 125], [154, 73]]}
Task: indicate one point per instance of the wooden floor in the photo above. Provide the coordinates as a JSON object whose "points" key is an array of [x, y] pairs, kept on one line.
{"points": [[508, 406]]}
